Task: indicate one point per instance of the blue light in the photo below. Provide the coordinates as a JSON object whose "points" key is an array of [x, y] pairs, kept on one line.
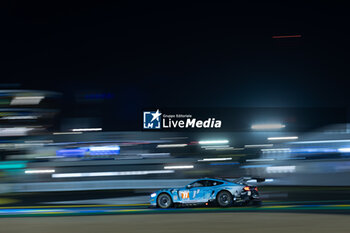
{"points": [[92, 150], [77, 152], [232, 163], [104, 150], [314, 150]]}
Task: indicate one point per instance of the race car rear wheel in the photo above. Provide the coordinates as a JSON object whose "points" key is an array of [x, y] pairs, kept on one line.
{"points": [[224, 199], [164, 201]]}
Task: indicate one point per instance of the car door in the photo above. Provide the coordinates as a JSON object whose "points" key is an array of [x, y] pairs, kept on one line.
{"points": [[191, 193], [210, 186], [200, 194]]}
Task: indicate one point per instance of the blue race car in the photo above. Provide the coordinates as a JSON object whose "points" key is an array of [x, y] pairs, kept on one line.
{"points": [[208, 191]]}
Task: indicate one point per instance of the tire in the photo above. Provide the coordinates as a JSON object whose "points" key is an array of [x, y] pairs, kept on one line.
{"points": [[224, 199], [164, 201]]}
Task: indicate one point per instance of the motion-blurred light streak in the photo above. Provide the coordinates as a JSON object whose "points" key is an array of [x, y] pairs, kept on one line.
{"points": [[122, 173], [39, 171], [258, 145], [15, 131], [19, 118], [210, 142], [104, 148], [286, 36], [171, 145], [214, 159], [276, 150], [259, 160], [267, 126], [26, 100], [86, 129], [214, 147], [282, 138], [227, 148], [280, 169], [179, 167], [65, 133], [344, 150], [225, 163]]}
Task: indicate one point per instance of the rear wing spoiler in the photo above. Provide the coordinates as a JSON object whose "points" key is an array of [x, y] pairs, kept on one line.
{"points": [[243, 180]]}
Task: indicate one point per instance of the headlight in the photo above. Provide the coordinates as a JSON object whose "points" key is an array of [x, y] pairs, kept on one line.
{"points": [[153, 194]]}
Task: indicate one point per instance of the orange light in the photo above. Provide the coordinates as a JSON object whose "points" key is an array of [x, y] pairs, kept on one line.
{"points": [[206, 203], [246, 188]]}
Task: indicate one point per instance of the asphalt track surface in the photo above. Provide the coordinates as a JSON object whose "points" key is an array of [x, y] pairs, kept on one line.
{"points": [[300, 216], [189, 222], [328, 200], [329, 207], [309, 211]]}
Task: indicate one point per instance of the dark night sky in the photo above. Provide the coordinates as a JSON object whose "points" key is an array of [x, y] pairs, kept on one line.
{"points": [[167, 54]]}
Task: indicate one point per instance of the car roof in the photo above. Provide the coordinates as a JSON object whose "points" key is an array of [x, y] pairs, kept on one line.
{"points": [[214, 179]]}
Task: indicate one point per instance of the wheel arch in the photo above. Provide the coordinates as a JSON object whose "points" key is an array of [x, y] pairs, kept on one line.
{"points": [[164, 192], [222, 190]]}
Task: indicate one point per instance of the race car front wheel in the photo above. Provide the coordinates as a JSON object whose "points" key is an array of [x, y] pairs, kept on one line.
{"points": [[164, 201], [224, 199]]}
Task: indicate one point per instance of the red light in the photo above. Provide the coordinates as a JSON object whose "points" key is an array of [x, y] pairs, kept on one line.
{"points": [[256, 188], [246, 188], [206, 203], [287, 36]]}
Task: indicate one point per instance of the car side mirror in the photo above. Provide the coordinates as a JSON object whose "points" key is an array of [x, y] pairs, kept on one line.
{"points": [[188, 186]]}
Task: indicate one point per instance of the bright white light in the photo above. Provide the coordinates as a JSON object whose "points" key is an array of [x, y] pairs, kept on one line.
{"points": [[214, 159], [259, 160], [214, 147], [64, 133], [227, 148], [280, 169], [258, 145], [19, 118], [252, 181], [153, 194], [179, 167], [123, 173], [103, 148], [344, 150], [15, 131], [170, 145], [283, 138], [276, 150], [86, 129], [38, 171], [209, 142], [267, 126], [26, 100]]}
